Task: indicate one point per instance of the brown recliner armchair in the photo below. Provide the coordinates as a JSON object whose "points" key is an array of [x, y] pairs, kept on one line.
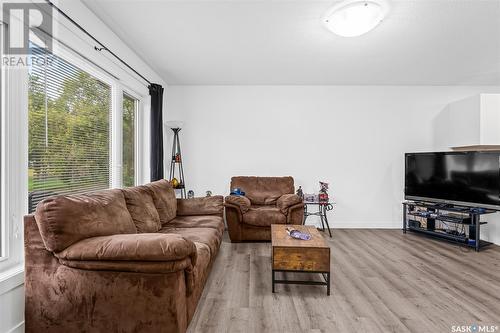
{"points": [[267, 200]]}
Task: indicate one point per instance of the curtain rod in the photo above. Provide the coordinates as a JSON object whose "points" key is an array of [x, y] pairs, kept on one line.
{"points": [[103, 47]]}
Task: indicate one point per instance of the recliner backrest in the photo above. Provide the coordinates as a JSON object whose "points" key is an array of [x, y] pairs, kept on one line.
{"points": [[263, 190]]}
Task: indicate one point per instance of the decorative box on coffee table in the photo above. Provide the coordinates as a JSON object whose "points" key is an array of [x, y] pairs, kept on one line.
{"points": [[304, 256]]}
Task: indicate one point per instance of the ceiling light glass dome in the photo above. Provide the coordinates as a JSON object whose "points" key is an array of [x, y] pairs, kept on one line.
{"points": [[355, 17]]}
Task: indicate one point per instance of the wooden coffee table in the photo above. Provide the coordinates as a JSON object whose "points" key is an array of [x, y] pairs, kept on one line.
{"points": [[294, 255]]}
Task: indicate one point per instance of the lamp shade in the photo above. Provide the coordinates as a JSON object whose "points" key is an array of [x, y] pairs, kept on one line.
{"points": [[174, 124]]}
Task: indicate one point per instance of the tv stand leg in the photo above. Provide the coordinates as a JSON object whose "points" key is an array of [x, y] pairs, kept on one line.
{"points": [[404, 218], [478, 225]]}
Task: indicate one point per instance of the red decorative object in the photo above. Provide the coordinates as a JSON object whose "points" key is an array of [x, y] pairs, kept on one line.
{"points": [[323, 192]]}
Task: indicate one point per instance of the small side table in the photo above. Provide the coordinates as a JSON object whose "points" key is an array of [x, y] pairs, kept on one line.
{"points": [[323, 207]]}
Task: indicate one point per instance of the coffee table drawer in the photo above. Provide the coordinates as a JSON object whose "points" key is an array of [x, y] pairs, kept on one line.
{"points": [[301, 259]]}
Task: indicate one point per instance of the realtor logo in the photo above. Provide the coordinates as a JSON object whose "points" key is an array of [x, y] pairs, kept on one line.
{"points": [[25, 22]]}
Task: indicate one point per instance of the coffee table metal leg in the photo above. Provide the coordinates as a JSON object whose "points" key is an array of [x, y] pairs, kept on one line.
{"points": [[328, 284], [326, 277], [273, 280]]}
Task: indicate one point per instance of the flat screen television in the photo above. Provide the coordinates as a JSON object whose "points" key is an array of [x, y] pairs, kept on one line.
{"points": [[461, 178]]}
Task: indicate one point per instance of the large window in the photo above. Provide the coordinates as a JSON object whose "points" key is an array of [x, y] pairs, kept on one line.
{"points": [[63, 130], [128, 140], [69, 130]]}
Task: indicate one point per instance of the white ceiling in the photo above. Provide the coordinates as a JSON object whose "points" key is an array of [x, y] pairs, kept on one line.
{"points": [[422, 42]]}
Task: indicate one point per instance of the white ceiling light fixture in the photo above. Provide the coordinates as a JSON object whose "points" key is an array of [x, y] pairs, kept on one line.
{"points": [[353, 18]]}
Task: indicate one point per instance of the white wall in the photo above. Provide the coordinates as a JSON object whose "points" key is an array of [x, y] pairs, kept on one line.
{"points": [[354, 137], [12, 314]]}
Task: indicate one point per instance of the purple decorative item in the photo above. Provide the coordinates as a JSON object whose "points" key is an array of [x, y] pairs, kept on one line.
{"points": [[310, 197], [294, 233]]}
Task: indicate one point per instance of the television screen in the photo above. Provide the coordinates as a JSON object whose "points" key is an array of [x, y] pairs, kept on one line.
{"points": [[463, 178]]}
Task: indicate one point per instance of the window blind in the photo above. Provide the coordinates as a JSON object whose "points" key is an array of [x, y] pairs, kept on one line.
{"points": [[128, 137], [69, 129]]}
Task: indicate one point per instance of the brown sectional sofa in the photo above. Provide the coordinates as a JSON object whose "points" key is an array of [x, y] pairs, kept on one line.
{"points": [[267, 200], [131, 260]]}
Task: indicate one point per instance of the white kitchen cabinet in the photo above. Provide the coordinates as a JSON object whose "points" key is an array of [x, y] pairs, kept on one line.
{"points": [[472, 123]]}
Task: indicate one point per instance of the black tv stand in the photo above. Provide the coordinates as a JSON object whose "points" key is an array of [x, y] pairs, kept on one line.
{"points": [[446, 221]]}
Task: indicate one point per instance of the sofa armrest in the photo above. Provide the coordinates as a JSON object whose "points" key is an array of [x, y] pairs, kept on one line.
{"points": [[201, 206], [243, 203], [286, 201], [131, 247], [138, 253]]}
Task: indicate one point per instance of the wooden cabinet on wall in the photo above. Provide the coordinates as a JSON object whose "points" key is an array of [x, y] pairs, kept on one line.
{"points": [[472, 123]]}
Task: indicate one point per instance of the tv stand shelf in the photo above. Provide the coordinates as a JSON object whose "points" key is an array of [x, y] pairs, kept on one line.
{"points": [[444, 217], [424, 218]]}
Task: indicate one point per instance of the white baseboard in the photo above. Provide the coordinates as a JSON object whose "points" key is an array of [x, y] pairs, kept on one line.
{"points": [[491, 235], [19, 328], [358, 225]]}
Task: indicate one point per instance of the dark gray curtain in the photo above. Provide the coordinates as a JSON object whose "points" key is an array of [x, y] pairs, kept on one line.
{"points": [[156, 93]]}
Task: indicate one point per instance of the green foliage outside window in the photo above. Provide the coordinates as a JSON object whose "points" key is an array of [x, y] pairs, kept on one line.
{"points": [[69, 132]]}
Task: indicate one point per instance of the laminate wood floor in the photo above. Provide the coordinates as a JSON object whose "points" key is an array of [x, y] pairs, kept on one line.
{"points": [[382, 281]]}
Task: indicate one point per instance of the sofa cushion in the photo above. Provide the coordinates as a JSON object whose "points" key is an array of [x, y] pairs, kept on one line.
{"points": [[164, 199], [263, 190], [200, 276], [264, 216], [142, 209], [208, 236], [201, 206], [199, 221], [204, 259], [64, 220]]}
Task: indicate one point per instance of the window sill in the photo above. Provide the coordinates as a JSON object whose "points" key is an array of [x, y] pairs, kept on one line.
{"points": [[11, 278]]}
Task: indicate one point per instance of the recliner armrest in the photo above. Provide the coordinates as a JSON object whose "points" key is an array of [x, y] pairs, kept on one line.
{"points": [[286, 201], [243, 203]]}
